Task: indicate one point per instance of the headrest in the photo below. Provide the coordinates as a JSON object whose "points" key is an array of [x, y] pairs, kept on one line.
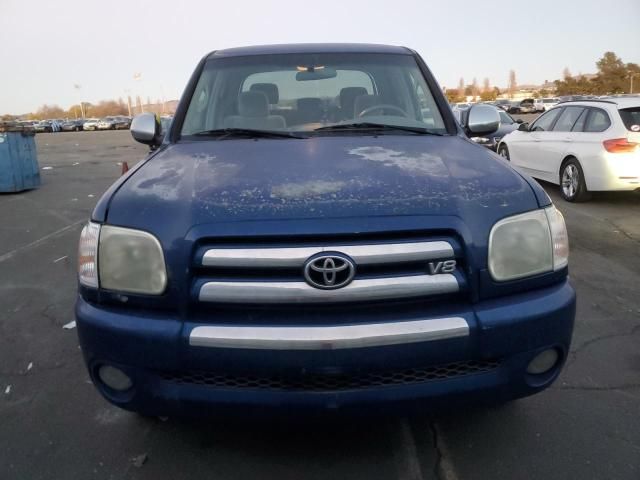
{"points": [[253, 104], [269, 89], [348, 96], [365, 101]]}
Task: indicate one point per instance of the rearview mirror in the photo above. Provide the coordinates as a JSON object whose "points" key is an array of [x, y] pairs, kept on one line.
{"points": [[145, 128], [317, 73], [523, 127], [483, 119]]}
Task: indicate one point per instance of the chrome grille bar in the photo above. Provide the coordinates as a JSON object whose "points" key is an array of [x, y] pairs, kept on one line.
{"points": [[296, 256], [328, 337], [369, 289]]}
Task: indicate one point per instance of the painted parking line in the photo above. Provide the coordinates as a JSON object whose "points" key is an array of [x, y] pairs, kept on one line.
{"points": [[40, 241]]}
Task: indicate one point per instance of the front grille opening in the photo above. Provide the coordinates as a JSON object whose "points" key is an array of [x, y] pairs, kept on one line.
{"points": [[332, 382]]}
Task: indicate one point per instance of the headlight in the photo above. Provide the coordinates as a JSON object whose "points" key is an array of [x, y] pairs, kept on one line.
{"points": [[528, 244], [121, 259]]}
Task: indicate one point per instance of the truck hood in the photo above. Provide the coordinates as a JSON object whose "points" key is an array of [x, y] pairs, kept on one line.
{"points": [[226, 183]]}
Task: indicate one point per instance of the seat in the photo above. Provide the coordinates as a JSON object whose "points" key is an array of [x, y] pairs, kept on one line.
{"points": [[253, 112], [309, 110], [269, 89], [347, 99]]}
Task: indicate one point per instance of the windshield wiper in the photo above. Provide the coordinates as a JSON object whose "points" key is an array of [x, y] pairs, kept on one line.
{"points": [[222, 133], [370, 126]]}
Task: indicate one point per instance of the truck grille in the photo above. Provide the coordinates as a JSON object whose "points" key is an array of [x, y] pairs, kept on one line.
{"points": [[332, 382], [285, 274]]}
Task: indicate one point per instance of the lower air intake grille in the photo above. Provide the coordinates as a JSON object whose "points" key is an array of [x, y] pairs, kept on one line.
{"points": [[332, 382]]}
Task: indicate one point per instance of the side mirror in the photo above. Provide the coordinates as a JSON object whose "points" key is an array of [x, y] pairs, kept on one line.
{"points": [[483, 119], [523, 127], [146, 129]]}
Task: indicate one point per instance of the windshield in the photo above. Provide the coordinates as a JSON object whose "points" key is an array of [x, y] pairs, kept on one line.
{"points": [[304, 92]]}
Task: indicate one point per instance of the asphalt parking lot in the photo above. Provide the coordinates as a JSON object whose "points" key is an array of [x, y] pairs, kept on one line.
{"points": [[54, 425]]}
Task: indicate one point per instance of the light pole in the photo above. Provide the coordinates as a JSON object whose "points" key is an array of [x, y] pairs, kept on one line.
{"points": [[128, 92], [631, 75], [78, 87], [137, 76]]}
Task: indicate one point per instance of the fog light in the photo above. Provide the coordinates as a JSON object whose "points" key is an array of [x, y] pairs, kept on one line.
{"points": [[114, 378], [543, 362]]}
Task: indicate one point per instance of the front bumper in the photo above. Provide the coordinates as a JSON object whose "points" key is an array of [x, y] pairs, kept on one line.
{"points": [[175, 371]]}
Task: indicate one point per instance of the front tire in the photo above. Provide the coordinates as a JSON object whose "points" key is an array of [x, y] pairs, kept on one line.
{"points": [[503, 151], [573, 187]]}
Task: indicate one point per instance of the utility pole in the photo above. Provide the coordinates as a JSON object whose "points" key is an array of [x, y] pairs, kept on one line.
{"points": [[631, 75]]}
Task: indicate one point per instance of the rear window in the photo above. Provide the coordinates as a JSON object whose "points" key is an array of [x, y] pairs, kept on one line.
{"points": [[631, 118]]}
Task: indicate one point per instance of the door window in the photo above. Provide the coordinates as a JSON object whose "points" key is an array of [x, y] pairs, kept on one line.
{"points": [[579, 125], [567, 119], [545, 121]]}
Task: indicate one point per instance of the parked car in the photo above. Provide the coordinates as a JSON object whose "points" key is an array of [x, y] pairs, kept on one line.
{"points": [[507, 125], [503, 103], [522, 106], [107, 123], [72, 125], [122, 123], [547, 103], [290, 261], [114, 123], [90, 124], [42, 126], [582, 146]]}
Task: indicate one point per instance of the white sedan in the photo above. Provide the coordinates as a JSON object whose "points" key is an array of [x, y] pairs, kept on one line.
{"points": [[585, 146]]}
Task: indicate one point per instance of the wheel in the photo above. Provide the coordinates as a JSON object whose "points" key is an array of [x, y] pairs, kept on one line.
{"points": [[572, 185], [503, 151]]}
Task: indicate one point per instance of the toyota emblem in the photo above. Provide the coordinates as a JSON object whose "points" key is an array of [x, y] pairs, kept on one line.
{"points": [[329, 271]]}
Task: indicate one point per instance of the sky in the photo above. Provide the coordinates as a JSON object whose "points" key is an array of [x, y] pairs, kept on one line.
{"points": [[48, 47]]}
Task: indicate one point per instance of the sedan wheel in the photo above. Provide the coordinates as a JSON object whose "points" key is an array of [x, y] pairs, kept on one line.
{"points": [[573, 186]]}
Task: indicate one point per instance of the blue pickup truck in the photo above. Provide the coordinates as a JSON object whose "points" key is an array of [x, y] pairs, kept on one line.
{"points": [[316, 231]]}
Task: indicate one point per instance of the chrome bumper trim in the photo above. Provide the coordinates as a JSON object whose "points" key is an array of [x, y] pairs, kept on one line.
{"points": [[296, 256], [357, 291], [329, 337]]}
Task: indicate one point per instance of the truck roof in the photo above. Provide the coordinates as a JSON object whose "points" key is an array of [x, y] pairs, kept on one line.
{"points": [[309, 48]]}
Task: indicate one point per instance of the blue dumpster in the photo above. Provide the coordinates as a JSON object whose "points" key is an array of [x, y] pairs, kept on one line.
{"points": [[18, 158]]}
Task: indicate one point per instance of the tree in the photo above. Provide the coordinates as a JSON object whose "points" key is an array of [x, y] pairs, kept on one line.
{"points": [[50, 111], [486, 85], [475, 91], [513, 85], [612, 74], [633, 74]]}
